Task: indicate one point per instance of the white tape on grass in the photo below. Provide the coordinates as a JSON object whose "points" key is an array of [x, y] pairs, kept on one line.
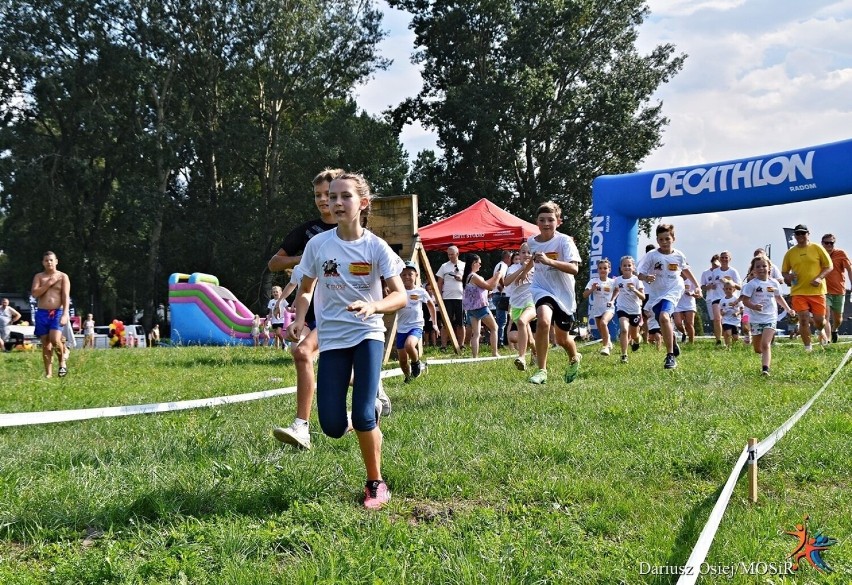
{"points": [[19, 419], [705, 539], [54, 416]]}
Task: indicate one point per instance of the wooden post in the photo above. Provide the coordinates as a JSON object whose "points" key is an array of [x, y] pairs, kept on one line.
{"points": [[752, 470]]}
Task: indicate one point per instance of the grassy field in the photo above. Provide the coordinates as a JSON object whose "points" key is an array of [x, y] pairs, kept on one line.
{"points": [[494, 480]]}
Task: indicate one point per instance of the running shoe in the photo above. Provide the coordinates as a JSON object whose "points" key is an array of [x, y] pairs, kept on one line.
{"points": [[670, 363], [376, 494], [296, 434], [573, 368], [624, 358], [605, 350], [520, 363], [676, 349], [635, 346], [384, 399], [540, 377]]}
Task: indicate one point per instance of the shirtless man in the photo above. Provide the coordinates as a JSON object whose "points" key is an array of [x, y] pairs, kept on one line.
{"points": [[52, 289]]}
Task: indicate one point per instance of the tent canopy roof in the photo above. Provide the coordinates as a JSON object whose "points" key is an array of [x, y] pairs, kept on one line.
{"points": [[481, 227]]}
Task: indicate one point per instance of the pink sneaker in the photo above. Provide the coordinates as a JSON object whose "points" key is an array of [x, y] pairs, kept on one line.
{"points": [[376, 494]]}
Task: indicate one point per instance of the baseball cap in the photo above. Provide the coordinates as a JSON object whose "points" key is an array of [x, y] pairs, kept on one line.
{"points": [[801, 228], [410, 264]]}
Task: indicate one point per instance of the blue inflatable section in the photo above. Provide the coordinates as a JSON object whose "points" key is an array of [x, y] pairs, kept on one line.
{"points": [[619, 201]]}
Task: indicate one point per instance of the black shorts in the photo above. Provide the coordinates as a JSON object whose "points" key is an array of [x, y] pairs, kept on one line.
{"points": [[732, 328], [560, 318], [633, 320], [277, 326], [716, 302], [455, 313]]}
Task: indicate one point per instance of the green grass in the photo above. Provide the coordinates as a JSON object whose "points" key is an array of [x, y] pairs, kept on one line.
{"points": [[494, 480]]}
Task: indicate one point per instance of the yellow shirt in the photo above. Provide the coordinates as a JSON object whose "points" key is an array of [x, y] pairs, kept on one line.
{"points": [[807, 262]]}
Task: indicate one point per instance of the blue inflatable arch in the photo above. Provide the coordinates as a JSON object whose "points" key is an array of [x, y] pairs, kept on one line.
{"points": [[619, 201]]}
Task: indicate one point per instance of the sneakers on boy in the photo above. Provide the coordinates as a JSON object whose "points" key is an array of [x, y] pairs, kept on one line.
{"points": [[675, 349], [573, 368], [415, 369], [809, 348], [520, 363], [635, 346], [671, 362], [624, 358], [765, 371], [376, 494], [540, 377], [605, 350], [297, 434], [834, 337], [384, 399]]}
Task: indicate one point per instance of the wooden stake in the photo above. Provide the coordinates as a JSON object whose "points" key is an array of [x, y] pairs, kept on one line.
{"points": [[752, 470]]}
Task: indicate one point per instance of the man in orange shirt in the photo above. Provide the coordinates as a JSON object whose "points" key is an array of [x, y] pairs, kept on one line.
{"points": [[836, 283], [804, 267]]}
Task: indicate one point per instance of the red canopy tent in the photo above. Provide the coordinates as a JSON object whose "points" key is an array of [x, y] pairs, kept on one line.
{"points": [[481, 227]]}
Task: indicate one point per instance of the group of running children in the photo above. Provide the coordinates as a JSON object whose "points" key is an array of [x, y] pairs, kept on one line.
{"points": [[346, 278]]}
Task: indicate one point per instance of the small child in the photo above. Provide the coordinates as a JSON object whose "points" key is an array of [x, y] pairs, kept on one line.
{"points": [[763, 296], [601, 289], [662, 269], [628, 296], [517, 281], [410, 321], [655, 335], [255, 329], [731, 312], [89, 332], [266, 332]]}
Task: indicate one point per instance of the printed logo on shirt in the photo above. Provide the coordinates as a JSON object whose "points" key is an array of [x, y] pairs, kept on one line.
{"points": [[658, 265], [770, 289], [552, 255], [329, 268], [673, 266], [758, 289], [360, 268], [414, 297]]}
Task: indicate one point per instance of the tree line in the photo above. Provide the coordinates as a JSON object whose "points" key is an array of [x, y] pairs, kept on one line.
{"points": [[141, 138]]}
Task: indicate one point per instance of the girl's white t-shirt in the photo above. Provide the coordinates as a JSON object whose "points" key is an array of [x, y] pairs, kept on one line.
{"points": [[627, 300], [550, 282], [763, 292], [600, 298], [520, 295], [717, 277], [345, 272]]}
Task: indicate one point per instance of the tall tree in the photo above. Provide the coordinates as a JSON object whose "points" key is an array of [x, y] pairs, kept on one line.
{"points": [[532, 99]]}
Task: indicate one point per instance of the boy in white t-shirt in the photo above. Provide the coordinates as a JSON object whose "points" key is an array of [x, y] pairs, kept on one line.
{"points": [[410, 322], [557, 261], [661, 269], [601, 289]]}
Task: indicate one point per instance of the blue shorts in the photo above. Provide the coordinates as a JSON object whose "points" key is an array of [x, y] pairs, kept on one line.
{"points": [[401, 337], [663, 306], [47, 320], [480, 313]]}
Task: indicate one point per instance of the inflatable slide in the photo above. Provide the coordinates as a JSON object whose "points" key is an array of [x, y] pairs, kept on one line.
{"points": [[205, 313]]}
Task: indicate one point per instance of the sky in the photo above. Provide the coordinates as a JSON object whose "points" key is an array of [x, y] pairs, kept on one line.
{"points": [[761, 76]]}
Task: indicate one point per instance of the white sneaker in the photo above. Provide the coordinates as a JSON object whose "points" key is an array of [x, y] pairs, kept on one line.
{"points": [[605, 350], [384, 399], [297, 435], [809, 348]]}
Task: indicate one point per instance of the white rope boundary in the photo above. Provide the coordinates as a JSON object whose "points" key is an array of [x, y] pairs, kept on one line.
{"points": [[19, 419], [691, 570]]}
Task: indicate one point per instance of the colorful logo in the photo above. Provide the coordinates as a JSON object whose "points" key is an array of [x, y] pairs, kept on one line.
{"points": [[810, 548]]}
